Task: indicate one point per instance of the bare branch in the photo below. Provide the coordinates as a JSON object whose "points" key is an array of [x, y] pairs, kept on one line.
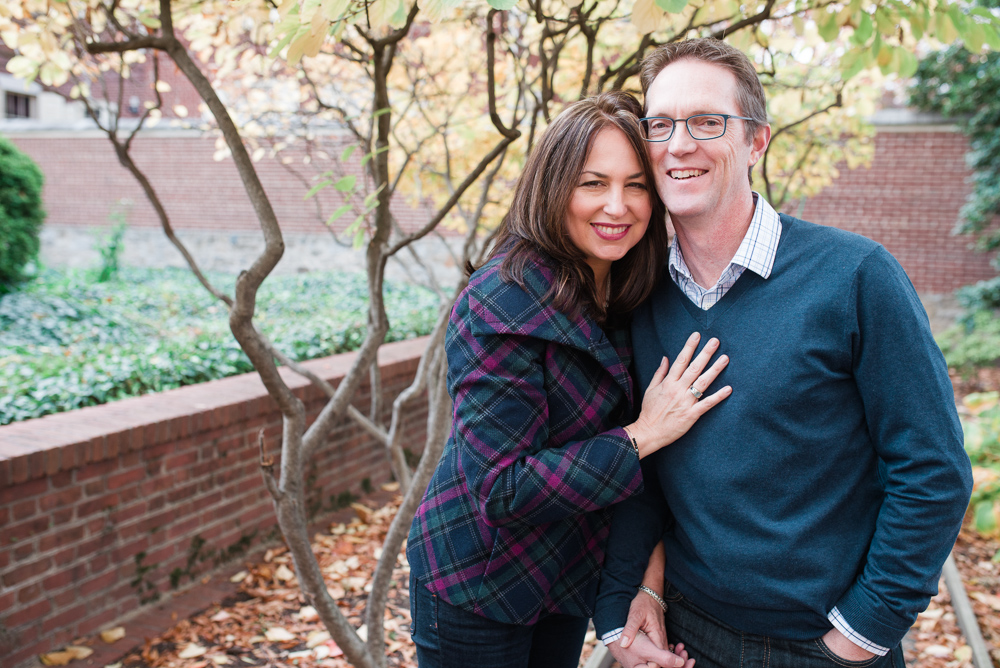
{"points": [[267, 469]]}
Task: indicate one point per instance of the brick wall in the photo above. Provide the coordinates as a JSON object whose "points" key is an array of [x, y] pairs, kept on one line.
{"points": [[909, 201], [84, 182], [99, 506]]}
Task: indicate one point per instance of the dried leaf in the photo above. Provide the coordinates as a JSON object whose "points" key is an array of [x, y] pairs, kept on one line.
{"points": [[308, 614], [113, 635], [221, 616], [363, 511], [193, 650], [278, 634], [56, 658], [317, 638], [284, 573], [390, 486]]}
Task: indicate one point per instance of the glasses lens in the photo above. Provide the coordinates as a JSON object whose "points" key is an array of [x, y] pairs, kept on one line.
{"points": [[658, 129], [707, 126]]}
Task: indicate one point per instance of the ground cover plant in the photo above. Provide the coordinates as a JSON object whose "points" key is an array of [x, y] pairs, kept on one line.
{"points": [[68, 342]]}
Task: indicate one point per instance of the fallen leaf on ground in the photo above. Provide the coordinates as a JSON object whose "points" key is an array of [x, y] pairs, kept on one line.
{"points": [[239, 577], [283, 573], [278, 634], [113, 635], [56, 658], [193, 650], [363, 511], [221, 616]]}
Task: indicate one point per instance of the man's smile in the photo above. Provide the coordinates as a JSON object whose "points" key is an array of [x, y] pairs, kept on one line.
{"points": [[680, 174]]}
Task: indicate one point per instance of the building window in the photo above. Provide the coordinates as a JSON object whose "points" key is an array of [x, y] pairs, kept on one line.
{"points": [[19, 106]]}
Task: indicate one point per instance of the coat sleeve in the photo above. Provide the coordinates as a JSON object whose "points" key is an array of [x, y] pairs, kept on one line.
{"points": [[637, 525], [910, 410], [513, 471]]}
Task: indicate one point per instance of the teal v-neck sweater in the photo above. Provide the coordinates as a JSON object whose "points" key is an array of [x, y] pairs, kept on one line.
{"points": [[834, 475]]}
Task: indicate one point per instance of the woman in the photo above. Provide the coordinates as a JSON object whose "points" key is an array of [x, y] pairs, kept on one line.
{"points": [[506, 547]]}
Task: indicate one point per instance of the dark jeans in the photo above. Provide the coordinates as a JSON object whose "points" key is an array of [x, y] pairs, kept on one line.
{"points": [[450, 637], [715, 645]]}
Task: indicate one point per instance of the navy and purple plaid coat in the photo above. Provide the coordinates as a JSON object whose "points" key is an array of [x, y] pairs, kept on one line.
{"points": [[514, 521]]}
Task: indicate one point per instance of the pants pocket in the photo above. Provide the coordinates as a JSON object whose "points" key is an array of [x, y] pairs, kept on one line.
{"points": [[839, 661]]}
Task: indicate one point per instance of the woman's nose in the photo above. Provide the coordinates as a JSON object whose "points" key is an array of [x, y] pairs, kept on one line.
{"points": [[614, 205]]}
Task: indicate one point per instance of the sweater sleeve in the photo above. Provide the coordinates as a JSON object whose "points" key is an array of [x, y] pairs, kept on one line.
{"points": [[637, 525], [502, 430], [910, 411]]}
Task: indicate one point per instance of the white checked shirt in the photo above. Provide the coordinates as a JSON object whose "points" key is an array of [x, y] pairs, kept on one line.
{"points": [[756, 253]]}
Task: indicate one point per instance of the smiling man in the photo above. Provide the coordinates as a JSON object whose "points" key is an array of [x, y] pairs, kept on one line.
{"points": [[804, 521]]}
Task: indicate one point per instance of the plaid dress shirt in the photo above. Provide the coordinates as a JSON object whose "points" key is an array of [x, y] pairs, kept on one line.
{"points": [[514, 520]]}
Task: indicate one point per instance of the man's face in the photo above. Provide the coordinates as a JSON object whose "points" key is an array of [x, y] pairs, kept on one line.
{"points": [[699, 180]]}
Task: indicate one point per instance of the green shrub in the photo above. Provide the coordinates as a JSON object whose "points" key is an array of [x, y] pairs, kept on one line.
{"points": [[982, 443], [21, 215], [67, 342], [972, 343]]}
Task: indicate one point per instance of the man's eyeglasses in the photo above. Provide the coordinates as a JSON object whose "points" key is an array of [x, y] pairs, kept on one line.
{"points": [[699, 126]]}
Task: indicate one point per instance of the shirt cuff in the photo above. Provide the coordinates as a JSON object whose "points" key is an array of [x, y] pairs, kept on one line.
{"points": [[612, 636], [841, 625]]}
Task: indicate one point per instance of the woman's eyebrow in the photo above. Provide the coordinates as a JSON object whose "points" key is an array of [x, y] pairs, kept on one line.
{"points": [[604, 176]]}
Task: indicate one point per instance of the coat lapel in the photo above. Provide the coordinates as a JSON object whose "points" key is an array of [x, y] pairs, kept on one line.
{"points": [[507, 308]]}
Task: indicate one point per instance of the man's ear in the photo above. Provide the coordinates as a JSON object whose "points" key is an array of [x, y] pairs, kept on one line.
{"points": [[759, 144]]}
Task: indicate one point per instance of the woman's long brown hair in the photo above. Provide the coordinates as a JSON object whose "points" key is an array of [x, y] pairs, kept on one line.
{"points": [[536, 222]]}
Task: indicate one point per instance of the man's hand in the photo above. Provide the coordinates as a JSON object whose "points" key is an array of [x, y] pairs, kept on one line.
{"points": [[838, 643], [642, 653]]}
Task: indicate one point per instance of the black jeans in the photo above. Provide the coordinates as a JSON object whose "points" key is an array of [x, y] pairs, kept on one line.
{"points": [[715, 645], [449, 637]]}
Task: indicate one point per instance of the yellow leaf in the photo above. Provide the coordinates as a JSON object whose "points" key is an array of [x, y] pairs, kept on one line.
{"points": [[647, 17], [79, 652], [113, 635], [283, 573], [963, 653], [56, 658]]}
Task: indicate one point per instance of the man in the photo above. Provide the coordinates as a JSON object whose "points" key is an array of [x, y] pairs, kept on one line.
{"points": [[805, 519]]}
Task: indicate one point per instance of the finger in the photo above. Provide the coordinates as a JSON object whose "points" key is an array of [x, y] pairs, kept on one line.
{"points": [[657, 635], [631, 628], [705, 380], [712, 400], [659, 374], [700, 362], [684, 356]]}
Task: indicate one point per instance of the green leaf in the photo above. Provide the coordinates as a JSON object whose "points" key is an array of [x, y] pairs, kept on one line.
{"points": [[918, 24], [338, 213], [369, 156], [864, 30], [316, 188], [502, 5], [828, 28], [975, 36], [359, 239], [992, 37], [371, 198], [958, 19], [346, 183], [908, 63], [150, 21], [346, 153], [672, 6], [944, 29], [886, 26]]}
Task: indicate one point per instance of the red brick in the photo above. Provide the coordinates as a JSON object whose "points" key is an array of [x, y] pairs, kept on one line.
{"points": [[33, 612], [98, 583], [22, 551], [66, 618], [23, 491], [60, 538], [96, 505], [25, 529], [182, 460], [21, 574], [96, 469], [60, 498], [29, 593]]}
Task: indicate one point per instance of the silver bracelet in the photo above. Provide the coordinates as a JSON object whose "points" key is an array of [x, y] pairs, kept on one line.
{"points": [[656, 597]]}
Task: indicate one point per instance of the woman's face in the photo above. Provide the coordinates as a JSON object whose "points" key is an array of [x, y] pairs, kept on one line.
{"points": [[610, 207]]}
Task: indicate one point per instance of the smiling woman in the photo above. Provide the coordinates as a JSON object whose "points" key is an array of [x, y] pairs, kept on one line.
{"points": [[506, 547]]}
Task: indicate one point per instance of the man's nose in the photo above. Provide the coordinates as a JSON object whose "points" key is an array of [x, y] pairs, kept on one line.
{"points": [[681, 142]]}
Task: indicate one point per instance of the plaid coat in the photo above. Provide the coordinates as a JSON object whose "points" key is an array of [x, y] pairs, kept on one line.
{"points": [[514, 520]]}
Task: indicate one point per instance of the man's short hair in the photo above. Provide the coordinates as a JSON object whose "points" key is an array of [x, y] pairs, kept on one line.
{"points": [[749, 91]]}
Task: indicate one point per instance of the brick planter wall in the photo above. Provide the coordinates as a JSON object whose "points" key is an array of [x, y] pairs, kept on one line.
{"points": [[99, 506]]}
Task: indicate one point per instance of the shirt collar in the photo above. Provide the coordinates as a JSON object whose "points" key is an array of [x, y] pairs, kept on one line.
{"points": [[756, 251]]}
